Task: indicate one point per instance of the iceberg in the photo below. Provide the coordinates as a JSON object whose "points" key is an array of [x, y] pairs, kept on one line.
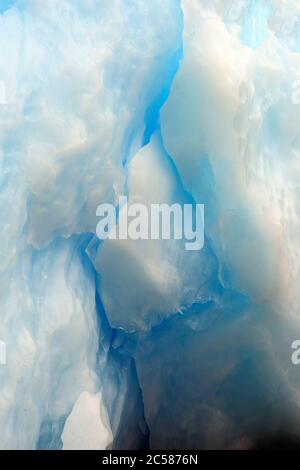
{"points": [[104, 343]]}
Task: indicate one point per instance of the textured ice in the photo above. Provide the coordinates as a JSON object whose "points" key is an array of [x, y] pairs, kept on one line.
{"points": [[163, 272], [80, 78], [163, 101]]}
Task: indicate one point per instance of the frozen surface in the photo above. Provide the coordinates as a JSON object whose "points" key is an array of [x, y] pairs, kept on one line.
{"points": [[164, 101], [85, 427], [80, 79]]}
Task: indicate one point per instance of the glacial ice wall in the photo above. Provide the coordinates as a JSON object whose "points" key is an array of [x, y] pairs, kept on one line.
{"points": [[164, 101], [80, 78]]}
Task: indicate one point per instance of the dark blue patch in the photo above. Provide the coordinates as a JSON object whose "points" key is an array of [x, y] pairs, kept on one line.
{"points": [[152, 113], [6, 5]]}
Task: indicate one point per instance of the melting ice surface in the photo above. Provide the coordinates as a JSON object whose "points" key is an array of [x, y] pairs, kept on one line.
{"points": [[108, 343]]}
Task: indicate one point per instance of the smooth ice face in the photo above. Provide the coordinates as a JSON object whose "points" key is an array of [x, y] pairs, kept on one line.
{"points": [[107, 343]]}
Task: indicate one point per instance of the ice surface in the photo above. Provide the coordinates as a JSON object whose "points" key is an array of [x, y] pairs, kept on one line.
{"points": [[163, 101], [80, 79], [237, 114], [84, 428], [157, 278]]}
